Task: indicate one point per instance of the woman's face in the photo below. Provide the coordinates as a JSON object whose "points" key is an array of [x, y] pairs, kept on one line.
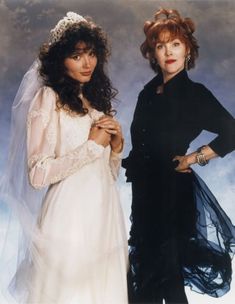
{"points": [[170, 55], [81, 64]]}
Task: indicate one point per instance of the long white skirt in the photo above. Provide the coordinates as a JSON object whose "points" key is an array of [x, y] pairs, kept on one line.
{"points": [[80, 255]]}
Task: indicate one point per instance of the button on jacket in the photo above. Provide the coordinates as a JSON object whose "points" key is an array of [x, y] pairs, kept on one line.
{"points": [[165, 124]]}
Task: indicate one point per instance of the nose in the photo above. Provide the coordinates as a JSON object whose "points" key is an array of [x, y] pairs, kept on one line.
{"points": [[168, 50], [87, 61]]}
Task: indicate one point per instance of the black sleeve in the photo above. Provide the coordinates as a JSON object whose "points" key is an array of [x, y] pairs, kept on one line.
{"points": [[216, 119], [139, 104], [130, 161]]}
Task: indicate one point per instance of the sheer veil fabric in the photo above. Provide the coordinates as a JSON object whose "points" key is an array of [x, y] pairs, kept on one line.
{"points": [[15, 190]]}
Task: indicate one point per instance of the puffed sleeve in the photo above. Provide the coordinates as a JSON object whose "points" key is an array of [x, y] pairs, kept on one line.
{"points": [[216, 119], [44, 166]]}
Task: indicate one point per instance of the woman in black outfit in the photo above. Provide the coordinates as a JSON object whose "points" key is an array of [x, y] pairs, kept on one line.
{"points": [[179, 234]]}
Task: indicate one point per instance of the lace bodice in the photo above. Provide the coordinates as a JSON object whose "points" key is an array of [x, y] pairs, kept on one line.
{"points": [[57, 142]]}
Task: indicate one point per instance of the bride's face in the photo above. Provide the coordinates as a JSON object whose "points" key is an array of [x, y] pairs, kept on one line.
{"points": [[81, 64]]}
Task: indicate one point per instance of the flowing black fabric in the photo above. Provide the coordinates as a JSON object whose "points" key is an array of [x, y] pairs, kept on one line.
{"points": [[179, 233], [207, 266], [195, 246]]}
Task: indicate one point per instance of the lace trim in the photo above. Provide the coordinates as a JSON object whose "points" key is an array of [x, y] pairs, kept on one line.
{"points": [[38, 160], [67, 164], [51, 135], [115, 164], [35, 113], [50, 131]]}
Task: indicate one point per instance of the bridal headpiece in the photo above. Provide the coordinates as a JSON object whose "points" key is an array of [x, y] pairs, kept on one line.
{"points": [[57, 32], [15, 190]]}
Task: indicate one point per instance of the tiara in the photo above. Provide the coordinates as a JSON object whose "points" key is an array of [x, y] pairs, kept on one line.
{"points": [[57, 32]]}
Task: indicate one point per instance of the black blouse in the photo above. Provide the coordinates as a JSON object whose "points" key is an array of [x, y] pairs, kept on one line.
{"points": [[165, 124]]}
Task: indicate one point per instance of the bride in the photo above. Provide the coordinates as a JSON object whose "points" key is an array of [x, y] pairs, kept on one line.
{"points": [[74, 247]]}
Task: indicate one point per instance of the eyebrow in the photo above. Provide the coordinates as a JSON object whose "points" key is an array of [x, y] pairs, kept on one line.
{"points": [[80, 51]]}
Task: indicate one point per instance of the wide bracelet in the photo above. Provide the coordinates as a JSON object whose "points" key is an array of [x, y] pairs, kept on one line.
{"points": [[200, 157]]}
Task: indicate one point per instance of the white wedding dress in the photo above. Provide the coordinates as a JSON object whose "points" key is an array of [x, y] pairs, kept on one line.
{"points": [[79, 254]]}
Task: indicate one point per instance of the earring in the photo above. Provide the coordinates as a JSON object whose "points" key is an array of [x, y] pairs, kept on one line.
{"points": [[187, 59], [153, 61], [154, 64]]}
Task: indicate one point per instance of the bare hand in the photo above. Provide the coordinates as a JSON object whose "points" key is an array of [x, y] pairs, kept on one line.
{"points": [[183, 164], [100, 136], [112, 127]]}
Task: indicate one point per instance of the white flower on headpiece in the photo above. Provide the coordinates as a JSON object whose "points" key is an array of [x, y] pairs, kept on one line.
{"points": [[70, 19]]}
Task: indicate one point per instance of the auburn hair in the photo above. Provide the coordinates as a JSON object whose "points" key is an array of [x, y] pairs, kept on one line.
{"points": [[170, 22]]}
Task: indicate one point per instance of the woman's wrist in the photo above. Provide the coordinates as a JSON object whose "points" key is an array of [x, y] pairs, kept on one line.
{"points": [[192, 158], [119, 147], [201, 156]]}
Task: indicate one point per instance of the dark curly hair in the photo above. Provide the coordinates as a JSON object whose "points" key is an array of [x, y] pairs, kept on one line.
{"points": [[98, 90], [169, 21]]}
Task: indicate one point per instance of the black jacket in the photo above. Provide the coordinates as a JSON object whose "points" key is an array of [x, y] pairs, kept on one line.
{"points": [[165, 124]]}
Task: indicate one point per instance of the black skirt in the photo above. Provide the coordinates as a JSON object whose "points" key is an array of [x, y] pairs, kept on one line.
{"points": [[179, 229]]}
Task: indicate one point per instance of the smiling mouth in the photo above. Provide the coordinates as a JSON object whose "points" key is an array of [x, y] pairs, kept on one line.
{"points": [[170, 61]]}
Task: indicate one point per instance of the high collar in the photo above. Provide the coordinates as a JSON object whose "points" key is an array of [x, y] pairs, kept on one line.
{"points": [[172, 87]]}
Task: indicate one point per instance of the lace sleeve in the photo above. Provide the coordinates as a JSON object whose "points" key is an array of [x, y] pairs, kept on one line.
{"points": [[45, 167], [115, 163]]}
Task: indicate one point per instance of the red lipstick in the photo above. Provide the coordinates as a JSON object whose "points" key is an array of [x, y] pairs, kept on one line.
{"points": [[169, 61]]}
